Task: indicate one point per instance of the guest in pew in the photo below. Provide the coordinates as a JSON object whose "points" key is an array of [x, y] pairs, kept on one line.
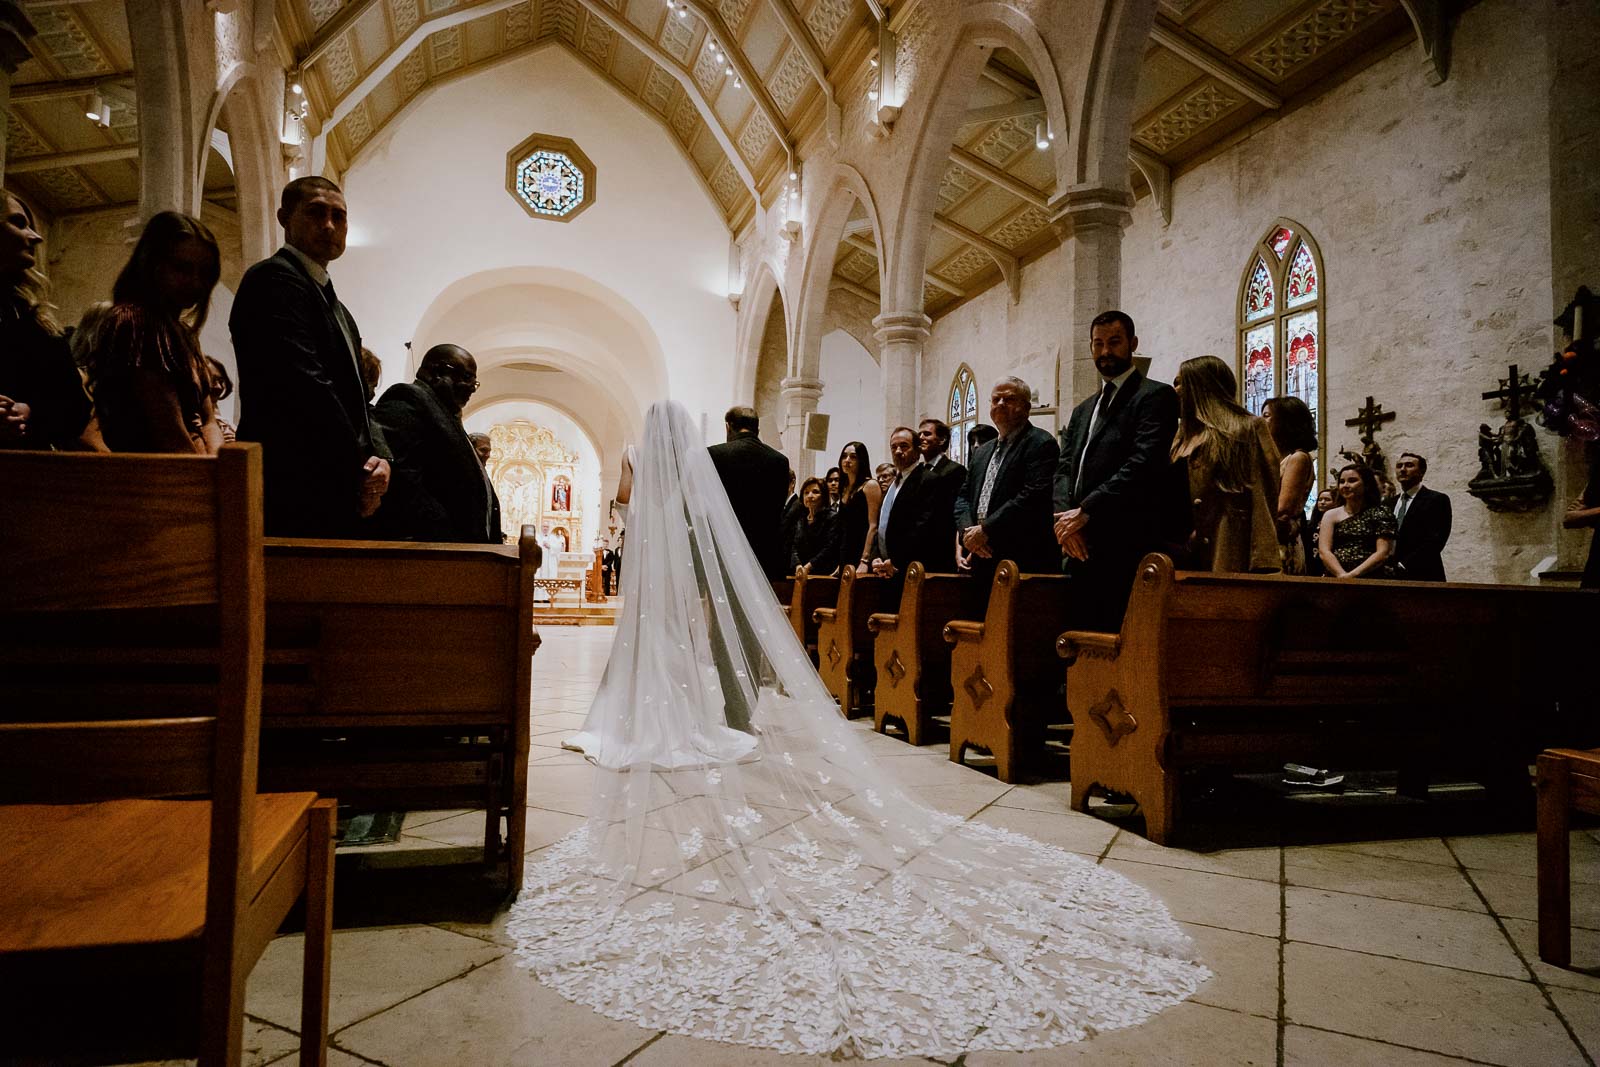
{"points": [[1231, 473], [943, 479], [833, 481], [1116, 497], [451, 499], [1327, 500], [1422, 522], [794, 509], [815, 541], [858, 509], [903, 516], [43, 403], [300, 387], [484, 447], [981, 434], [152, 389], [221, 389], [1294, 431], [1003, 508], [748, 468], [883, 475], [1356, 538]]}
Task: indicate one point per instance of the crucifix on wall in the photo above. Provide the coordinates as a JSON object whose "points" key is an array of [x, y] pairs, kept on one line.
{"points": [[1514, 389], [1369, 420], [1511, 472]]}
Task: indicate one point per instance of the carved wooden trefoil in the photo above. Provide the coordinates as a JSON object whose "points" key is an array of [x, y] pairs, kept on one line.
{"points": [[1112, 718], [978, 687]]}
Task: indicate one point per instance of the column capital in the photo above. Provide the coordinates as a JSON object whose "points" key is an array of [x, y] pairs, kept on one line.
{"points": [[906, 327], [800, 388], [1085, 207], [15, 31]]}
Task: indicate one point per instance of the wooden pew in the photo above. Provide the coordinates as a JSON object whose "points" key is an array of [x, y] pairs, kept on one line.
{"points": [[1243, 672], [912, 657], [844, 643], [399, 678], [144, 875], [1004, 690], [783, 589], [810, 593]]}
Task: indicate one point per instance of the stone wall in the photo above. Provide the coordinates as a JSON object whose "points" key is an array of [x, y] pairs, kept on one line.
{"points": [[1431, 206]]}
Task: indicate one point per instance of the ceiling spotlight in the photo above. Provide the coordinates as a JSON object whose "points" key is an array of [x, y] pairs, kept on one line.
{"points": [[794, 175], [873, 59], [736, 82], [683, 12], [295, 88], [103, 120], [96, 104], [1040, 138], [872, 94]]}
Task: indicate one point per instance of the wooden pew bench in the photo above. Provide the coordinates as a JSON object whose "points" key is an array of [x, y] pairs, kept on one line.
{"points": [[398, 678], [844, 643], [913, 660], [1244, 672], [810, 592], [1002, 676]]}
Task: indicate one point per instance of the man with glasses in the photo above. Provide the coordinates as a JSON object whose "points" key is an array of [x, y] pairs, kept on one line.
{"points": [[447, 491]]}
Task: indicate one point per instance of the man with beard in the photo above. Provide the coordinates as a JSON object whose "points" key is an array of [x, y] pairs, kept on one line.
{"points": [[1115, 496]]}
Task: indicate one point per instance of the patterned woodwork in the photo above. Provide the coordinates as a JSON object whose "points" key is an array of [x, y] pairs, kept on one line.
{"points": [[913, 659]]}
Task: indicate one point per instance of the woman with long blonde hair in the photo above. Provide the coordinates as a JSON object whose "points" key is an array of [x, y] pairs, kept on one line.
{"points": [[42, 400], [1233, 472]]}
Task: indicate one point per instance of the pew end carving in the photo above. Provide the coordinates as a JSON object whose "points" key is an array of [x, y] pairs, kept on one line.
{"points": [[913, 660], [844, 641]]}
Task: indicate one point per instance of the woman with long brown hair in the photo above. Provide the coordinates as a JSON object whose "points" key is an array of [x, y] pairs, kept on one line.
{"points": [[858, 508], [42, 401], [1233, 472], [1294, 431], [152, 388], [1357, 537]]}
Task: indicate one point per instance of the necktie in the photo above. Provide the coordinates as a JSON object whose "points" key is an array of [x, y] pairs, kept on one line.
{"points": [[988, 479], [1400, 513], [1100, 410], [883, 515]]}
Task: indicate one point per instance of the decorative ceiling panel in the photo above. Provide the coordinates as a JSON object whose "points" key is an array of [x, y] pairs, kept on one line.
{"points": [[658, 90], [517, 27], [956, 184], [446, 50], [371, 34], [789, 80], [322, 10], [964, 267], [403, 16], [755, 138], [68, 43], [21, 139], [1162, 76], [763, 38], [630, 66], [826, 18], [1227, 26], [1023, 227], [1190, 114], [726, 186], [678, 37], [558, 18], [1308, 37], [338, 65], [597, 42]]}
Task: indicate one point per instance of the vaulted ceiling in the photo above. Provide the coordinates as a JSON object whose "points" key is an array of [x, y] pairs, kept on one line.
{"points": [[734, 82]]}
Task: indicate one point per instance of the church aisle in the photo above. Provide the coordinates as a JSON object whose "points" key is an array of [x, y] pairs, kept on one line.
{"points": [[1413, 952]]}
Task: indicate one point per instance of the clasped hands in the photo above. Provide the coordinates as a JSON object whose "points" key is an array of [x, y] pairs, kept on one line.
{"points": [[374, 483], [13, 419], [1069, 532]]}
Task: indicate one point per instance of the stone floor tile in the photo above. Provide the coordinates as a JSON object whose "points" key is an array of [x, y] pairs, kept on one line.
{"points": [[1304, 1047], [1258, 863], [1185, 1035], [415, 819], [963, 800], [1071, 831], [1515, 896], [1583, 974], [262, 1045], [543, 828], [498, 1014], [1380, 876], [373, 969], [1582, 1012], [548, 827], [336, 1058], [568, 789], [1518, 854], [1444, 936], [918, 770], [1041, 796], [674, 1050], [1243, 904], [1414, 849], [1244, 970], [1458, 1013]]}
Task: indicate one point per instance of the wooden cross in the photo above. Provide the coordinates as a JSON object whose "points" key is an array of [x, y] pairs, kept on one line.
{"points": [[1514, 389], [1370, 418]]}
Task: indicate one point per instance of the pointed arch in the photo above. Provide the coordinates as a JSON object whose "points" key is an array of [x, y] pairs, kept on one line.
{"points": [[845, 187], [961, 410], [757, 308]]}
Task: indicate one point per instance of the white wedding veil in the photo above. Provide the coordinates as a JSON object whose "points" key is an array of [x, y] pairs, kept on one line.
{"points": [[750, 873]]}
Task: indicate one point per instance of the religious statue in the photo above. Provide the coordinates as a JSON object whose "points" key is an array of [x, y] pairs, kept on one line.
{"points": [[561, 494], [1490, 463], [1511, 472]]}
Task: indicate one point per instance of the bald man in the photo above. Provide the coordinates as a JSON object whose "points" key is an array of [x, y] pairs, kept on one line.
{"points": [[447, 490]]}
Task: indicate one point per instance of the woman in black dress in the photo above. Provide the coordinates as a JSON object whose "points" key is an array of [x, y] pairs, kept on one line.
{"points": [[816, 538], [858, 511], [43, 404], [1357, 538]]}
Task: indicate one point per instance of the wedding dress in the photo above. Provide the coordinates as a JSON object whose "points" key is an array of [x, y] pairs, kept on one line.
{"points": [[778, 886]]}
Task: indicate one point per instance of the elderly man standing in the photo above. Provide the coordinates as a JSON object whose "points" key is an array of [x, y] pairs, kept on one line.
{"points": [[449, 491], [300, 388], [1003, 508]]}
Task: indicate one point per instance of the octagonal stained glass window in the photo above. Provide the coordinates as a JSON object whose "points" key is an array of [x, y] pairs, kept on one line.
{"points": [[550, 177]]}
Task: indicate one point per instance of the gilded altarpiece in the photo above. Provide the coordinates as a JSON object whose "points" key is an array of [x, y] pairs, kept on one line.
{"points": [[536, 478]]}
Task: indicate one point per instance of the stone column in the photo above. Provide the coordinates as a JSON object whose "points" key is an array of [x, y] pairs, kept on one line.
{"points": [[796, 398], [901, 335], [15, 31], [1090, 221], [168, 131]]}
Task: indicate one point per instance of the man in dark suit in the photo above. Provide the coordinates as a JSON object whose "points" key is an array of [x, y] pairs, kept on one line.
{"points": [[754, 476], [793, 512], [485, 448], [300, 388], [942, 480], [903, 513], [447, 487], [1003, 508], [1114, 497], [1424, 520]]}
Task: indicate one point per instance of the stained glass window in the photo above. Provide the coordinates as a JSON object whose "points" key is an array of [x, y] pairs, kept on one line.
{"points": [[1258, 296], [1302, 277], [1280, 340], [550, 177], [963, 412]]}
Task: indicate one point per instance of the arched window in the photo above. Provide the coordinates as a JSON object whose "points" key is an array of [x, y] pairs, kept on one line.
{"points": [[963, 412], [1281, 324]]}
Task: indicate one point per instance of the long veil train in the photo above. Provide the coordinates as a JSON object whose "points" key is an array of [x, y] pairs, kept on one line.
{"points": [[769, 882]]}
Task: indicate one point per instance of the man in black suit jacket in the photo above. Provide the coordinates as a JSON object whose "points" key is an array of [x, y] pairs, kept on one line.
{"points": [[754, 476], [447, 488], [793, 511], [1003, 508], [942, 479], [1424, 517], [482, 445], [300, 388], [1115, 498], [903, 514]]}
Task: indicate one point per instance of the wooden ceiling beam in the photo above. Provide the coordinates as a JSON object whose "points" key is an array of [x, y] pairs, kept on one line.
{"points": [[1010, 266], [731, 47], [69, 87], [989, 172], [1007, 79], [80, 158], [1173, 38], [932, 279], [333, 29], [854, 288], [1026, 107]]}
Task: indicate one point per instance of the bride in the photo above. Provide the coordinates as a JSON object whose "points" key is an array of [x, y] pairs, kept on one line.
{"points": [[775, 885]]}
